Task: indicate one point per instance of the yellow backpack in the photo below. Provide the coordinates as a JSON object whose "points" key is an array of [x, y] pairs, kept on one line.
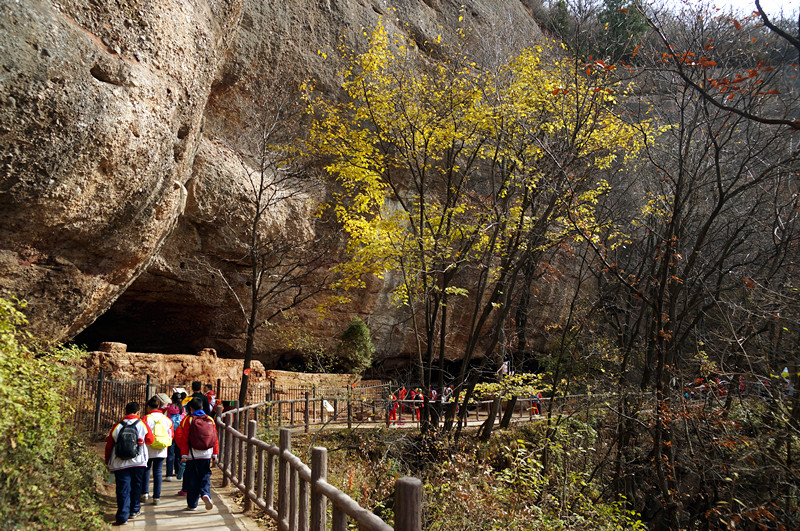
{"points": [[161, 427]]}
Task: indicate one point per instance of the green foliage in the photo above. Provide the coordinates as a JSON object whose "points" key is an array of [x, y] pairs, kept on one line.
{"points": [[470, 486], [557, 18], [503, 485], [47, 475], [355, 350], [622, 28], [352, 355]]}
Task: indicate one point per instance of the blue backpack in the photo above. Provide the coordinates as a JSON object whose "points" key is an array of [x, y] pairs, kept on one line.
{"points": [[176, 421]]}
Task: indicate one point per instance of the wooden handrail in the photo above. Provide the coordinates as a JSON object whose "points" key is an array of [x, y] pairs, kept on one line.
{"points": [[303, 492]]}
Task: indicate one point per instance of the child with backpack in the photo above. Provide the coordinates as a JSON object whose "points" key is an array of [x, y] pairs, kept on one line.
{"points": [[161, 426], [126, 456], [197, 440], [175, 412]]}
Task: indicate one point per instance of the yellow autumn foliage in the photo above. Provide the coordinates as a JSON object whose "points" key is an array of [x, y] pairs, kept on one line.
{"points": [[443, 164]]}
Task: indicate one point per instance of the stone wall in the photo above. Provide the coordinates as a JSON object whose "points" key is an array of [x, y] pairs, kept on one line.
{"points": [[119, 364]]}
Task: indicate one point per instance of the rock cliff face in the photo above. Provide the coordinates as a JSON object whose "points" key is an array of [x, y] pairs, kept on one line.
{"points": [[117, 162], [100, 115]]}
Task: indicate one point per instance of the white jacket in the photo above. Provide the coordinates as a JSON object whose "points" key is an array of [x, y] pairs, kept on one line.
{"points": [[151, 418], [115, 463]]}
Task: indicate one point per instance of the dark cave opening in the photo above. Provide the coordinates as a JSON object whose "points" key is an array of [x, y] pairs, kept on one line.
{"points": [[160, 327]]}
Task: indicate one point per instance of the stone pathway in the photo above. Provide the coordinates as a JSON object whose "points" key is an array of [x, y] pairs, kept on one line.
{"points": [[171, 514]]}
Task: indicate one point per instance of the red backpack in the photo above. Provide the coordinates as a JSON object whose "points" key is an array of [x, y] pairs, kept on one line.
{"points": [[202, 433]]}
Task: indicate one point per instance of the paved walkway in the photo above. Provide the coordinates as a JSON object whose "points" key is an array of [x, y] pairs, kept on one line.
{"points": [[171, 514]]}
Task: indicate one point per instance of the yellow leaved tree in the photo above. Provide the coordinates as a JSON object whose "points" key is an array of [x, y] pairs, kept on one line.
{"points": [[461, 184]]}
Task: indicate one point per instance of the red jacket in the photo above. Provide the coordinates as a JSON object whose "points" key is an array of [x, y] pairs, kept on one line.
{"points": [[182, 440]]}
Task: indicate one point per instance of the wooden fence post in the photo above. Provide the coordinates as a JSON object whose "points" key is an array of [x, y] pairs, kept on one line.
{"points": [[339, 518], [408, 504], [302, 516], [226, 451], [97, 402], [235, 405], [270, 494], [271, 406], [306, 412], [249, 481], [319, 471], [283, 476], [260, 474], [240, 456], [294, 499], [349, 412]]}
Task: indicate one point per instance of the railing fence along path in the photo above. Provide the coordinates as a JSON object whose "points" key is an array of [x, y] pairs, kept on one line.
{"points": [[98, 403], [303, 493]]}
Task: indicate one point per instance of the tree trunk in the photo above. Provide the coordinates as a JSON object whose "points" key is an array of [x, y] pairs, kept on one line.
{"points": [[509, 413], [486, 430]]}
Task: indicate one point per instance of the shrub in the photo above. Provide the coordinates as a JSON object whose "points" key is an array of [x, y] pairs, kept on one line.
{"points": [[355, 350], [47, 474]]}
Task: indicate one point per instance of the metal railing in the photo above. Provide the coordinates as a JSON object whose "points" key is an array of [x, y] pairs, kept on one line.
{"points": [[303, 492]]}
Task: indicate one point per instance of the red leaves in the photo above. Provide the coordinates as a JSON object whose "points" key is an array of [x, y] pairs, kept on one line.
{"points": [[736, 24], [749, 283], [746, 83]]}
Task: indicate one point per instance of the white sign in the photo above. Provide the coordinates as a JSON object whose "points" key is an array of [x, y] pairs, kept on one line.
{"points": [[327, 405]]}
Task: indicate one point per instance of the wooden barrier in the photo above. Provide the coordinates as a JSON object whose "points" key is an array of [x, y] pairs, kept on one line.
{"points": [[303, 492]]}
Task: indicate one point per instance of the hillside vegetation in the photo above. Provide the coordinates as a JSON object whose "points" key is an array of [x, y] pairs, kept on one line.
{"points": [[47, 472]]}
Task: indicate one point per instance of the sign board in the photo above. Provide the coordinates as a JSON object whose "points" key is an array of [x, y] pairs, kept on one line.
{"points": [[327, 405]]}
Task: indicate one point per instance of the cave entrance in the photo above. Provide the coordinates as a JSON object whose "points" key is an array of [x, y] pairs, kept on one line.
{"points": [[150, 326]]}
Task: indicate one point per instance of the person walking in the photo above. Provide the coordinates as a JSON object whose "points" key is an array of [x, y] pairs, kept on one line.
{"points": [[401, 394], [161, 426], [175, 412], [211, 398], [126, 456], [393, 409], [197, 440], [196, 393]]}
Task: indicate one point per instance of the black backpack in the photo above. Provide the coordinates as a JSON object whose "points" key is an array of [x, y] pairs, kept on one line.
{"points": [[127, 445]]}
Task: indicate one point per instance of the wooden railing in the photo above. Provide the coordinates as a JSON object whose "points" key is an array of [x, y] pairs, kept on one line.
{"points": [[302, 492]]}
